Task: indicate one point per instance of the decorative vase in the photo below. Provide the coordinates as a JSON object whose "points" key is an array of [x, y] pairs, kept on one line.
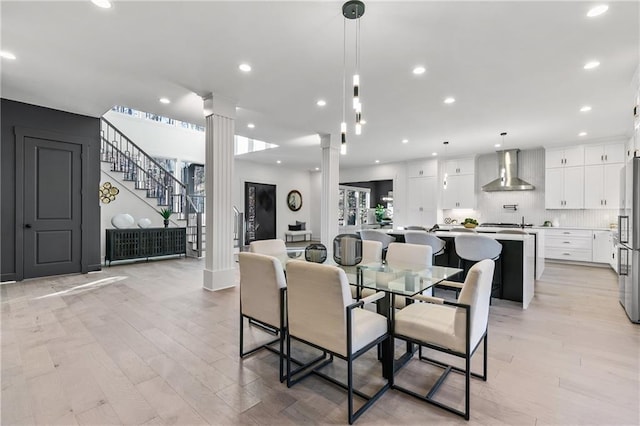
{"points": [[123, 221], [166, 223], [144, 222]]}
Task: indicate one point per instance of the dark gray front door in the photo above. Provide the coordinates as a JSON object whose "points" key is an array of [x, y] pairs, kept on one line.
{"points": [[52, 214]]}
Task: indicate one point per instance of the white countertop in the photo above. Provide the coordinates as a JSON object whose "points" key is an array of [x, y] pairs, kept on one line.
{"points": [[493, 235]]}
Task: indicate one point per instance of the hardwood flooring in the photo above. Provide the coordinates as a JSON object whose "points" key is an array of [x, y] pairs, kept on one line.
{"points": [[145, 344]]}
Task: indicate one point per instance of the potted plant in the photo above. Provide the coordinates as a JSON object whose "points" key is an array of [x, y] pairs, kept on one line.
{"points": [[470, 223], [380, 210], [166, 214]]}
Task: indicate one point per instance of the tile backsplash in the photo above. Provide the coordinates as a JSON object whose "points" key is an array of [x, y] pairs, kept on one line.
{"points": [[489, 205]]}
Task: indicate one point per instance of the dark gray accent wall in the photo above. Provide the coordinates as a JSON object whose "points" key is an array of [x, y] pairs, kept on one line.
{"points": [[379, 189], [17, 114]]}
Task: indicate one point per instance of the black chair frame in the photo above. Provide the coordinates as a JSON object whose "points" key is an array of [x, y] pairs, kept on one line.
{"points": [[448, 368], [370, 399]]}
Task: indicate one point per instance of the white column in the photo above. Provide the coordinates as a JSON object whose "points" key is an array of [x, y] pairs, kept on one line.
{"points": [[219, 269], [330, 181]]}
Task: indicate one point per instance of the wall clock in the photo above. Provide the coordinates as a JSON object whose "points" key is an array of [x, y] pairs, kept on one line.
{"points": [[294, 200]]}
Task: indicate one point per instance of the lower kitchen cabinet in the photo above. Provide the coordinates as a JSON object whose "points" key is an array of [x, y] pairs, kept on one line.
{"points": [[602, 246], [569, 244]]}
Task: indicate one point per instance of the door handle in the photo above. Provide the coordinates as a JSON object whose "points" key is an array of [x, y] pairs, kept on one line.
{"points": [[27, 225]]}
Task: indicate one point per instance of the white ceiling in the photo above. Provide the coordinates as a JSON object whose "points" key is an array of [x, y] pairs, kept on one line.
{"points": [[512, 66]]}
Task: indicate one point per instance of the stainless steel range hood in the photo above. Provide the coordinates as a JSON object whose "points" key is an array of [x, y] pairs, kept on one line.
{"points": [[508, 179]]}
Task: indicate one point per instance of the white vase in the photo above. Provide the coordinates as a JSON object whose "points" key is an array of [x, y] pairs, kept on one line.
{"points": [[144, 222], [123, 221]]}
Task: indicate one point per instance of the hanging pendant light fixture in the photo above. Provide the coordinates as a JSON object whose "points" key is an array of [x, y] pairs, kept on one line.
{"points": [[353, 9]]}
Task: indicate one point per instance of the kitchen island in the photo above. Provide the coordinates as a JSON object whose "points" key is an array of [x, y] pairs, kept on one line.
{"points": [[514, 276]]}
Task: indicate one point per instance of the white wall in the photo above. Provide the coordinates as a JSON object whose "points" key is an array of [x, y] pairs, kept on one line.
{"points": [[285, 181], [159, 139]]}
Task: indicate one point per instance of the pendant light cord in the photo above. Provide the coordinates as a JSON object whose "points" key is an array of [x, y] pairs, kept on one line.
{"points": [[344, 67]]}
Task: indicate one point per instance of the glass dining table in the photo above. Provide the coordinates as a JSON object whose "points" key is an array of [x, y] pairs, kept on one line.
{"points": [[396, 279]]}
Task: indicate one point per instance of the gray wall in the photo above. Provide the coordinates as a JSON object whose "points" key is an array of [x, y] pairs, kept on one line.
{"points": [[24, 115]]}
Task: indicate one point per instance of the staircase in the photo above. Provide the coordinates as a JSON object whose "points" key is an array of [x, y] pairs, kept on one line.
{"points": [[158, 183]]}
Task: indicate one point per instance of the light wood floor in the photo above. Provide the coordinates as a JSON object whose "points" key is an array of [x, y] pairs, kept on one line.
{"points": [[147, 345]]}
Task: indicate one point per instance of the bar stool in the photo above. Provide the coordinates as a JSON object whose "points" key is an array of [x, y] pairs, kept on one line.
{"points": [[474, 248]]}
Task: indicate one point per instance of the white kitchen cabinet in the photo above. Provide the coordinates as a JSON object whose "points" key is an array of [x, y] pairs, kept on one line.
{"points": [[564, 157], [602, 186], [459, 192], [602, 246], [604, 153], [422, 201], [422, 168], [564, 188], [460, 166], [569, 244]]}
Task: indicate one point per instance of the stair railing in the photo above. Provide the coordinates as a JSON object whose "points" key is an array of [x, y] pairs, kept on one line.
{"points": [[147, 174]]}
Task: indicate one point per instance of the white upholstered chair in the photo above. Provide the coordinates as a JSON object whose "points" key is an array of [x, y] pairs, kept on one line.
{"points": [[375, 235], [371, 253], [274, 247], [400, 254], [456, 328], [262, 299], [321, 314]]}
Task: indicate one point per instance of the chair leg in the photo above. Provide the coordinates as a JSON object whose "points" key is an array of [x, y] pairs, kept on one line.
{"points": [[282, 333], [241, 335], [350, 388], [484, 371], [467, 384], [288, 360]]}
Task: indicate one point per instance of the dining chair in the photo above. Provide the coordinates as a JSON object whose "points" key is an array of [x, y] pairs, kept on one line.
{"points": [[371, 253], [513, 231], [415, 228], [462, 229], [455, 328], [400, 254], [275, 247], [321, 314], [375, 235], [262, 300]]}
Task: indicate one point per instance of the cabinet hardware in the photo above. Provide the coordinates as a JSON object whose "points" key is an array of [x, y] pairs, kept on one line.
{"points": [[567, 233], [605, 202], [602, 158], [567, 254], [606, 157], [567, 242]]}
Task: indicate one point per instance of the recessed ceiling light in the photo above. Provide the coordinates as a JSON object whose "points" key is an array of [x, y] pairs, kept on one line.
{"points": [[278, 161], [405, 140], [7, 55], [582, 134], [591, 65], [105, 4], [449, 100], [597, 11], [497, 145], [363, 121], [434, 153], [244, 67], [165, 101], [317, 168], [321, 102], [585, 108], [251, 126], [419, 70], [377, 161]]}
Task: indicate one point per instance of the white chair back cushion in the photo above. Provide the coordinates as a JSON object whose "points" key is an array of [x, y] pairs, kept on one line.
{"points": [[371, 251], [372, 234], [476, 292], [317, 296], [275, 247], [261, 278], [409, 254], [477, 247]]}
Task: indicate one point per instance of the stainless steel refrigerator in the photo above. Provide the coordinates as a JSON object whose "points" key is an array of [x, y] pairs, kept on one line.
{"points": [[629, 239]]}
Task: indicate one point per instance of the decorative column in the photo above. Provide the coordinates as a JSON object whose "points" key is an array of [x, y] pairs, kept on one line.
{"points": [[330, 182], [219, 269]]}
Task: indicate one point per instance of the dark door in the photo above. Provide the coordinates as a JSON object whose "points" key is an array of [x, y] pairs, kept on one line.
{"points": [[260, 211], [52, 207]]}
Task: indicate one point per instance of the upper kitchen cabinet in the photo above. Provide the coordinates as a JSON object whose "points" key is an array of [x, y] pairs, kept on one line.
{"points": [[604, 153], [422, 201], [603, 186], [459, 192], [564, 188], [422, 168], [564, 157], [460, 166]]}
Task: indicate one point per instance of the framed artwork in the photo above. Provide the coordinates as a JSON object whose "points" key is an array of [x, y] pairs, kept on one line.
{"points": [[294, 200], [260, 211]]}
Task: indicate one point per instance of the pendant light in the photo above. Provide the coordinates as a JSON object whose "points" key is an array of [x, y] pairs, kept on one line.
{"points": [[353, 9], [444, 181]]}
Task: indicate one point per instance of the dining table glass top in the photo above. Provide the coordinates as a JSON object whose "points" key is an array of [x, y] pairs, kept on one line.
{"points": [[403, 279]]}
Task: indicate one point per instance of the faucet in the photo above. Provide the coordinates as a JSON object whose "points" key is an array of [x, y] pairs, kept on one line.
{"points": [[522, 224]]}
